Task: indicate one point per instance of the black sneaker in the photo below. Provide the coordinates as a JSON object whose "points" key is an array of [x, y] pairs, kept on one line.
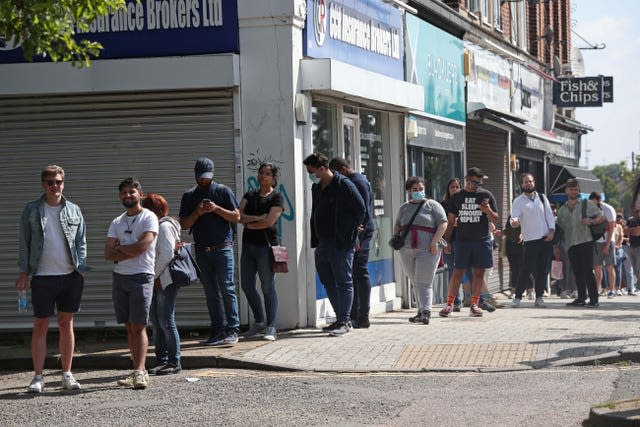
{"points": [[576, 303], [170, 369], [331, 327], [592, 305], [486, 306], [341, 330], [156, 369], [361, 324]]}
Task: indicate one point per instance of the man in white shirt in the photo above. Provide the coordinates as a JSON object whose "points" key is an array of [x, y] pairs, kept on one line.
{"points": [[604, 249], [131, 243], [531, 211]]}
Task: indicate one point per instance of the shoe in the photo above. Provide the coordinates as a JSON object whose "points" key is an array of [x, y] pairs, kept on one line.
{"points": [[256, 329], [446, 311], [475, 311], [611, 295], [270, 333], [342, 330], [633, 293], [231, 338], [564, 295], [516, 303], [620, 293], [36, 385], [330, 327], [539, 303], [426, 316], [576, 303], [545, 294], [530, 296], [215, 340], [592, 305], [128, 380], [155, 369], [140, 380], [69, 383], [170, 369], [363, 323], [574, 294], [456, 308], [417, 318], [488, 307], [602, 292]]}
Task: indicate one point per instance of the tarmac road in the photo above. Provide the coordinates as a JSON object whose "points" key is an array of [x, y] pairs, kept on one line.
{"points": [[548, 397]]}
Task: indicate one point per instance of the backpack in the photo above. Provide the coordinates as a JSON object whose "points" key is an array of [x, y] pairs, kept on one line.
{"points": [[597, 230], [182, 267]]}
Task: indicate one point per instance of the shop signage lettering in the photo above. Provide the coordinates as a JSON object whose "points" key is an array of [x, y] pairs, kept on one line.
{"points": [[607, 89], [346, 26], [578, 92]]}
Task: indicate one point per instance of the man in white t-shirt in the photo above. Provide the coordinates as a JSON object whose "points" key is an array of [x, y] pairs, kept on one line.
{"points": [[131, 246], [604, 249], [53, 250]]}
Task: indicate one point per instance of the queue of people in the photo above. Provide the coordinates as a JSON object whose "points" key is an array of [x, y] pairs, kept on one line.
{"points": [[458, 231]]}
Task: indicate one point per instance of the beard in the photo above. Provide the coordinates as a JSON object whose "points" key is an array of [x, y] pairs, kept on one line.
{"points": [[129, 203], [528, 191]]}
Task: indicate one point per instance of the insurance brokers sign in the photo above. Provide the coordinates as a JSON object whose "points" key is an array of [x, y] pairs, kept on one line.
{"points": [[581, 92]]}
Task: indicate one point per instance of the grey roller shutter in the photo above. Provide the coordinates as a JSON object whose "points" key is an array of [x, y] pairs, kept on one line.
{"points": [[99, 139]]}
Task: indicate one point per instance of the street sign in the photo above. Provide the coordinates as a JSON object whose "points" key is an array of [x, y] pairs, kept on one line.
{"points": [[578, 92]]}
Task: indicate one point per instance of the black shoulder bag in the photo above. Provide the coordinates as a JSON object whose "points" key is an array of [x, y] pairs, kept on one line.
{"points": [[397, 241]]}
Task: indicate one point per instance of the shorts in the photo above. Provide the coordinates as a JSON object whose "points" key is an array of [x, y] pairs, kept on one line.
{"points": [[473, 254], [62, 293], [132, 294], [599, 258]]}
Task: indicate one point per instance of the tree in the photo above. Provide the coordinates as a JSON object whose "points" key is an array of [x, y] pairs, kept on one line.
{"points": [[47, 27], [617, 183]]}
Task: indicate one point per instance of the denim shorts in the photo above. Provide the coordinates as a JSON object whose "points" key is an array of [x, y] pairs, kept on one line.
{"points": [[473, 254], [132, 294], [60, 292]]}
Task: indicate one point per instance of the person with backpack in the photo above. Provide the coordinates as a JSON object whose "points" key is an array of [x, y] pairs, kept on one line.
{"points": [[166, 338], [532, 212], [579, 242]]}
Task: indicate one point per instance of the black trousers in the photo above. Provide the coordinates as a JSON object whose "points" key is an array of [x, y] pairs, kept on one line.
{"points": [[536, 256], [581, 257]]}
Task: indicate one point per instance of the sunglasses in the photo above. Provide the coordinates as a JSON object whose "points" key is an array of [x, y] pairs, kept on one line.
{"points": [[474, 182], [52, 182]]}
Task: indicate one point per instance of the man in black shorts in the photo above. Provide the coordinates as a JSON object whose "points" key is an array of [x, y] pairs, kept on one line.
{"points": [[53, 249], [472, 209]]}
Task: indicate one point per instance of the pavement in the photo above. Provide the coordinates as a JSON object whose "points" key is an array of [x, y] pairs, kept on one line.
{"points": [[509, 339]]}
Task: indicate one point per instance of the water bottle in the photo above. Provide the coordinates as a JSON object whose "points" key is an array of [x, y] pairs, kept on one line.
{"points": [[23, 301]]}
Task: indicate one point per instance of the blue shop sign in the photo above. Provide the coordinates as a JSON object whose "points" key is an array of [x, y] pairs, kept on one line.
{"points": [[159, 28], [365, 33], [435, 61]]}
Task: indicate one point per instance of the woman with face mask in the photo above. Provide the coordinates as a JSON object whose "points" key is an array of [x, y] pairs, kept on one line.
{"points": [[421, 251]]}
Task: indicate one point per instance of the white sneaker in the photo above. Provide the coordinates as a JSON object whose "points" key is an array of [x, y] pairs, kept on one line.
{"points": [[539, 303], [270, 333], [564, 295], [515, 303], [574, 294], [530, 295], [36, 385], [69, 383], [620, 293]]}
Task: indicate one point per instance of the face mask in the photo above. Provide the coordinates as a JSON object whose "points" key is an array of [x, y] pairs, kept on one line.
{"points": [[314, 179], [418, 196]]}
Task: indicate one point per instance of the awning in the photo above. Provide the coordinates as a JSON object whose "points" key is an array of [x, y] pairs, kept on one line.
{"points": [[587, 180]]}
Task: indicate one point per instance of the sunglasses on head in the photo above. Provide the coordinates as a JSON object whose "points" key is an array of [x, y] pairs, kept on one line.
{"points": [[52, 182]]}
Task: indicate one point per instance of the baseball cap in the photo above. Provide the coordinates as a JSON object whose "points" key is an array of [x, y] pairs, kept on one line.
{"points": [[204, 168], [476, 172]]}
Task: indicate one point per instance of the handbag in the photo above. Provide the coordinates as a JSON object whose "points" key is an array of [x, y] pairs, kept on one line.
{"points": [[556, 270], [183, 268], [279, 257], [397, 240], [597, 230]]}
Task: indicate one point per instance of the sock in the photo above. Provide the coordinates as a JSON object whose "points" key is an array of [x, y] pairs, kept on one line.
{"points": [[475, 299]]}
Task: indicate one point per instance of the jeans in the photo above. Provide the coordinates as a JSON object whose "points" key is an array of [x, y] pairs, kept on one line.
{"points": [[163, 318], [633, 254], [255, 259], [536, 255], [335, 269], [581, 257], [217, 279], [361, 281]]}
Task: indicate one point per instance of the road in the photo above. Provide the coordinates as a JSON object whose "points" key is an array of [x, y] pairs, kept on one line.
{"points": [[549, 397]]}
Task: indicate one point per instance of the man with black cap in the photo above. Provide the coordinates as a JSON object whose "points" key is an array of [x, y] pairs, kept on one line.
{"points": [[472, 209], [209, 209]]}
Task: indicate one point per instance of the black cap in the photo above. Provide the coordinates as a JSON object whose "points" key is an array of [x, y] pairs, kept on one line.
{"points": [[204, 168], [476, 172]]}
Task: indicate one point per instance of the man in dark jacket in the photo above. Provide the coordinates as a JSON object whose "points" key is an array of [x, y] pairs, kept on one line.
{"points": [[361, 282], [337, 212]]}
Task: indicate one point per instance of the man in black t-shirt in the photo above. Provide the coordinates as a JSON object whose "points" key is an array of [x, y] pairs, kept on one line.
{"points": [[471, 210]]}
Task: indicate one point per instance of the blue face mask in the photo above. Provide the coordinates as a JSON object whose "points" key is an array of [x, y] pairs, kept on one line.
{"points": [[314, 179], [418, 196]]}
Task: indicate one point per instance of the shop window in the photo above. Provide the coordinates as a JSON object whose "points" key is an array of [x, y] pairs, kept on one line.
{"points": [[323, 119], [436, 167]]}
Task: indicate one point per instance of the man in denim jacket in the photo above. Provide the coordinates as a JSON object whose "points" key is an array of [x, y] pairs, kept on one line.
{"points": [[53, 250]]}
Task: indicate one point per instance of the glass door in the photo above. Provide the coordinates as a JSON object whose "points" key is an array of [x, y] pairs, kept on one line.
{"points": [[351, 140]]}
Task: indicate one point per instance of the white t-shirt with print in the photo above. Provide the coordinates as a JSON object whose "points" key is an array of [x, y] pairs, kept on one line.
{"points": [[128, 229]]}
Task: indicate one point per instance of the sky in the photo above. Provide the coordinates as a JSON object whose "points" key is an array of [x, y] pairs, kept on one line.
{"points": [[616, 125]]}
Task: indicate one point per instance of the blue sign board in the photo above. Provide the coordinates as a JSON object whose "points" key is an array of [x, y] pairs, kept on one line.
{"points": [[435, 61], [160, 28], [365, 33]]}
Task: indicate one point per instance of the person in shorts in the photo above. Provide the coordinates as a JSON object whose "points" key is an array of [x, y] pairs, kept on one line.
{"points": [[131, 243], [472, 209], [604, 249], [53, 250]]}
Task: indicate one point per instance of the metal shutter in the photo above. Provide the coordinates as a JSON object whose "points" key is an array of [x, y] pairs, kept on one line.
{"points": [[99, 139]]}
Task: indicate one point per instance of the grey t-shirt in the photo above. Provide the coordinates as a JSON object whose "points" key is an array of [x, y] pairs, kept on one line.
{"points": [[431, 215]]}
